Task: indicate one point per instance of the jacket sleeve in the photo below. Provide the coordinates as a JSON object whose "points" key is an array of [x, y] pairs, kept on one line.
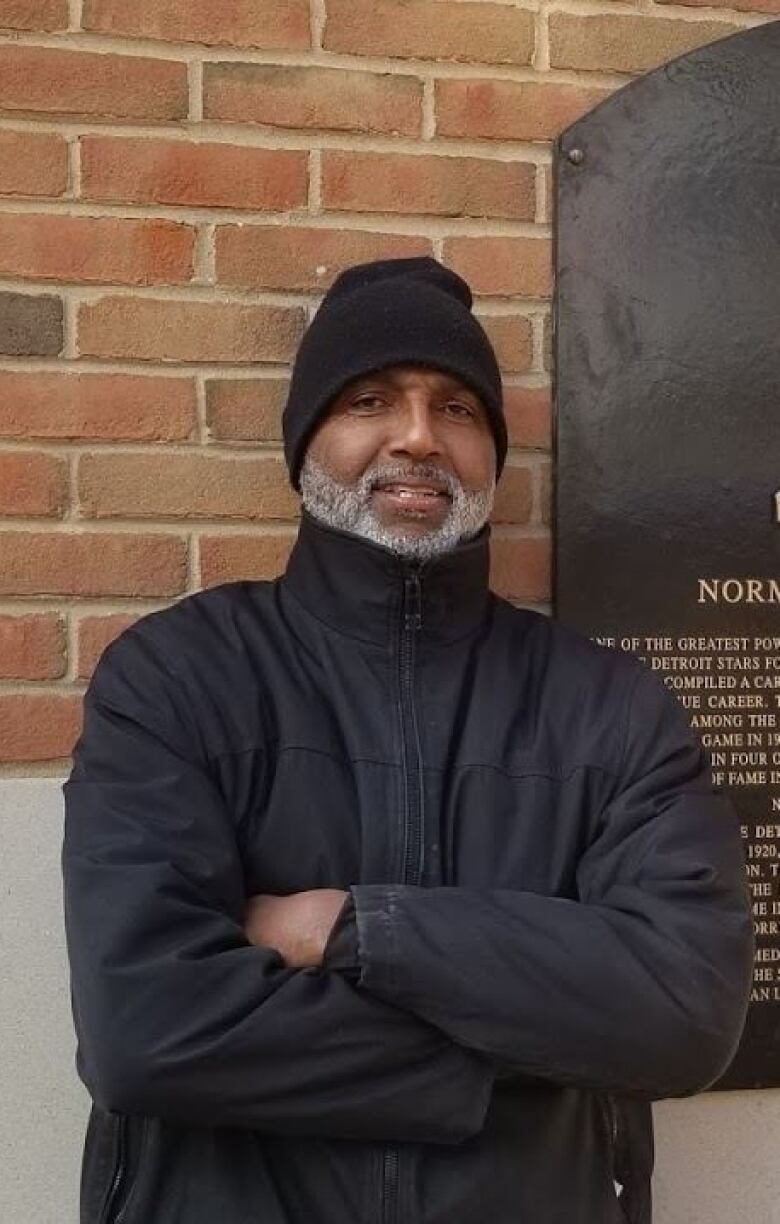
{"points": [[177, 1015], [638, 985]]}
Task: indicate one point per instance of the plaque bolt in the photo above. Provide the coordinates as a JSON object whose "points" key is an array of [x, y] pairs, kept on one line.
{"points": [[576, 156]]}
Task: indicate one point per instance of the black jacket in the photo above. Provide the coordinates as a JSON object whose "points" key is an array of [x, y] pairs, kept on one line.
{"points": [[552, 921]]}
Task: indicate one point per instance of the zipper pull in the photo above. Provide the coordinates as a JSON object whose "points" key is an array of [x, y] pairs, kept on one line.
{"points": [[412, 603]]}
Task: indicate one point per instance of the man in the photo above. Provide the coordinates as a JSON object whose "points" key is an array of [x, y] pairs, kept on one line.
{"points": [[387, 901]]}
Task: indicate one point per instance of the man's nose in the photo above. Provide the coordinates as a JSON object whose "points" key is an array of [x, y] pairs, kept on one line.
{"points": [[414, 431]]}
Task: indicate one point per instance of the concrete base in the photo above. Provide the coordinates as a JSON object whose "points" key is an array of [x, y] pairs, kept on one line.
{"points": [[716, 1159], [44, 1107]]}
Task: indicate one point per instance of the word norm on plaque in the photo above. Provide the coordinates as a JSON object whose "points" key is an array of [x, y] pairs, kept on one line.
{"points": [[667, 326]]}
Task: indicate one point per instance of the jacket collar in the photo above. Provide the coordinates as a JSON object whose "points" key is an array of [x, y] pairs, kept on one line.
{"points": [[357, 587]]}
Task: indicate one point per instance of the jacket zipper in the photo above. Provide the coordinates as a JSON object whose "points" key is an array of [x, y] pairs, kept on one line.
{"points": [[127, 1161], [119, 1172], [412, 755], [412, 842], [614, 1136]]}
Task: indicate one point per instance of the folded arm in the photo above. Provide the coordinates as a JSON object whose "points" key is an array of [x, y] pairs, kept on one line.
{"points": [[640, 985], [178, 1014]]}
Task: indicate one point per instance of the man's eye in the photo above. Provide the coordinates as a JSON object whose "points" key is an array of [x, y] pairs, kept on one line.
{"points": [[456, 408], [369, 402]]}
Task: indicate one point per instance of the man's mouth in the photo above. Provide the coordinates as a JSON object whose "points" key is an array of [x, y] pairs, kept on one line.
{"points": [[419, 499], [404, 490], [411, 486]]}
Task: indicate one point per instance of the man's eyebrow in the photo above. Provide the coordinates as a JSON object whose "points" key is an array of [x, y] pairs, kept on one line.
{"points": [[457, 388]]}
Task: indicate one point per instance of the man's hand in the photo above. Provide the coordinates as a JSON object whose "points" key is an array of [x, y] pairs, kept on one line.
{"points": [[297, 926]]}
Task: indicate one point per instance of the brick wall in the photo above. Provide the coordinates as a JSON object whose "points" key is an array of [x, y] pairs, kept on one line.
{"points": [[180, 180]]}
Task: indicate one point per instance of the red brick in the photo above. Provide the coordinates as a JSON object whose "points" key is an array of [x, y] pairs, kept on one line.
{"points": [[626, 43], [529, 416], [445, 186], [147, 171], [107, 249], [431, 29], [33, 164], [32, 484], [246, 409], [520, 567], [509, 110], [514, 496], [274, 25], [239, 558], [152, 330], [511, 338], [48, 81], [107, 407], [312, 97], [38, 15], [38, 727], [95, 633], [284, 257], [32, 647], [511, 267], [91, 563], [185, 486]]}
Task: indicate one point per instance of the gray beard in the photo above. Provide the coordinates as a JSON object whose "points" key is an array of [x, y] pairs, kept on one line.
{"points": [[350, 508]]}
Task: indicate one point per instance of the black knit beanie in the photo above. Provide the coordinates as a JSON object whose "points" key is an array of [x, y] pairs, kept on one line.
{"points": [[389, 312]]}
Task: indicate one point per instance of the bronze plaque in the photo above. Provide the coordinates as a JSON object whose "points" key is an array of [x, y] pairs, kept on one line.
{"points": [[668, 425]]}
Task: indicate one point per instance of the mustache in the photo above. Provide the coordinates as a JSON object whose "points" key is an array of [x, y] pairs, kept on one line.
{"points": [[382, 473]]}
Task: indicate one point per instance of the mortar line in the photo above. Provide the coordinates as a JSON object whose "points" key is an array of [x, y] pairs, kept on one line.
{"points": [[190, 574], [78, 606], [132, 47], [204, 263], [44, 688], [428, 130], [201, 415], [272, 449], [137, 527], [317, 21], [58, 767], [71, 646], [205, 295], [73, 190], [139, 369], [69, 324], [75, 8], [314, 202], [195, 90], [541, 60], [423, 225], [541, 195], [72, 513], [270, 138], [218, 295], [537, 343], [194, 567]]}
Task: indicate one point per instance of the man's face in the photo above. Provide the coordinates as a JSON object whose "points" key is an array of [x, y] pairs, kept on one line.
{"points": [[405, 457]]}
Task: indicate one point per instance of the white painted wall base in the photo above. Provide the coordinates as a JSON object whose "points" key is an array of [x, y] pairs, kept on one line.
{"points": [[43, 1107], [716, 1154]]}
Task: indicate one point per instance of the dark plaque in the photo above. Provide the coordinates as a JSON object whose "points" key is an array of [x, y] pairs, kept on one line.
{"points": [[668, 425]]}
